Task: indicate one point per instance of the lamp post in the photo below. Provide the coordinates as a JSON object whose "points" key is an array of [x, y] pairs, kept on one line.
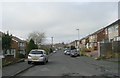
{"points": [[78, 33], [78, 39]]}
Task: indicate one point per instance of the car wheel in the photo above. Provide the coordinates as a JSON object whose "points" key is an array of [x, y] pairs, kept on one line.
{"points": [[29, 62], [44, 62]]}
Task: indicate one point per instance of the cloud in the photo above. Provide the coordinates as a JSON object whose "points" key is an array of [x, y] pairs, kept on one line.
{"points": [[58, 19]]}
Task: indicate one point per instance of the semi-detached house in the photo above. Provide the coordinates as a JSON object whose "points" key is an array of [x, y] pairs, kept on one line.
{"points": [[108, 34], [18, 45]]}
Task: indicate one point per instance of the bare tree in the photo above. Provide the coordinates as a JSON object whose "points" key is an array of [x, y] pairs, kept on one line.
{"points": [[38, 37]]}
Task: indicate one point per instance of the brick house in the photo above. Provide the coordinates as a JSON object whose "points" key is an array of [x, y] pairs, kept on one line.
{"points": [[18, 45], [92, 44], [108, 39], [82, 43], [107, 36], [102, 35]]}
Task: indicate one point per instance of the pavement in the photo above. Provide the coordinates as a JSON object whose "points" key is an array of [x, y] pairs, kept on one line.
{"points": [[14, 69]]}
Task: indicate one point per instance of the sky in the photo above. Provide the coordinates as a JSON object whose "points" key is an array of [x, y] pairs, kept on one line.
{"points": [[57, 19]]}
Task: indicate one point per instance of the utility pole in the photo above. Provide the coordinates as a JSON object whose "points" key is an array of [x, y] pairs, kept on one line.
{"points": [[52, 41]]}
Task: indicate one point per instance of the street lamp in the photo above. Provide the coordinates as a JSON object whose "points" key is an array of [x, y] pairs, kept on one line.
{"points": [[78, 39], [78, 33]]}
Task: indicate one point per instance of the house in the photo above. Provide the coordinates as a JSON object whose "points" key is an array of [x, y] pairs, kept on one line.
{"points": [[92, 41], [104, 40], [73, 43], [114, 31], [82, 43], [18, 45], [105, 35], [102, 35]]}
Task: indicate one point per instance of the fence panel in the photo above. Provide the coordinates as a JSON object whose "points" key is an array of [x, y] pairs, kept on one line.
{"points": [[105, 48], [116, 46]]}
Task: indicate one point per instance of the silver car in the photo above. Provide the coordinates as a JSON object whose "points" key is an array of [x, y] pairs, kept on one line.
{"points": [[74, 53], [67, 52], [37, 55]]}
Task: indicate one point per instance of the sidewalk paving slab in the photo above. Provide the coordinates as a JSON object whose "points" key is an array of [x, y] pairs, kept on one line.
{"points": [[14, 69]]}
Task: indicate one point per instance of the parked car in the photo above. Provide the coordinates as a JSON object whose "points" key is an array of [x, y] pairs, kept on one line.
{"points": [[37, 55], [67, 52], [74, 53]]}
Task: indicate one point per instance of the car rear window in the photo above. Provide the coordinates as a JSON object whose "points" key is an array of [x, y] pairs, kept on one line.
{"points": [[36, 52], [74, 50]]}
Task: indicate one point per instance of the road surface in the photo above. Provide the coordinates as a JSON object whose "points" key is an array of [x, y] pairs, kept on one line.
{"points": [[64, 65]]}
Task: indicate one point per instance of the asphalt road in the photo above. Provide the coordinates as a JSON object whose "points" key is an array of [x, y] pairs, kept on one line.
{"points": [[63, 65]]}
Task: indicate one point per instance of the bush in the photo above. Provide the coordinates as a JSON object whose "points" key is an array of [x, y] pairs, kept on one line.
{"points": [[116, 55], [47, 49], [82, 53], [21, 56]]}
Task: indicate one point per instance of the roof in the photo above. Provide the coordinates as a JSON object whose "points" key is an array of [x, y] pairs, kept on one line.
{"points": [[116, 22], [98, 31], [17, 39]]}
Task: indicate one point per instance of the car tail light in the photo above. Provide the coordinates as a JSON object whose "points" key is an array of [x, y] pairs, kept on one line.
{"points": [[42, 56]]}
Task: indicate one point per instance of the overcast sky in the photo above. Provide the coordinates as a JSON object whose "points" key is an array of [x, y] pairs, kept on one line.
{"points": [[57, 19]]}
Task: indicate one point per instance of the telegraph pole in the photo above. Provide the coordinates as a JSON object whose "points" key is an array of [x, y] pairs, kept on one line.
{"points": [[52, 41]]}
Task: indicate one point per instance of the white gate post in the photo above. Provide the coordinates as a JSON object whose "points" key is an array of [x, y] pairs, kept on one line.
{"points": [[98, 49]]}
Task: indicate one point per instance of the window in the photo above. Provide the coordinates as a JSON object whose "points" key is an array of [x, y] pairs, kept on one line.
{"points": [[21, 44], [36, 52]]}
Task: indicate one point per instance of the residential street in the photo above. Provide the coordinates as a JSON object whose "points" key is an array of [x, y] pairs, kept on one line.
{"points": [[64, 65], [67, 38]]}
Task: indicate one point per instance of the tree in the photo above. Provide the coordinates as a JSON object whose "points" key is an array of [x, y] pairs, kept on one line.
{"points": [[38, 37], [31, 45], [6, 42]]}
